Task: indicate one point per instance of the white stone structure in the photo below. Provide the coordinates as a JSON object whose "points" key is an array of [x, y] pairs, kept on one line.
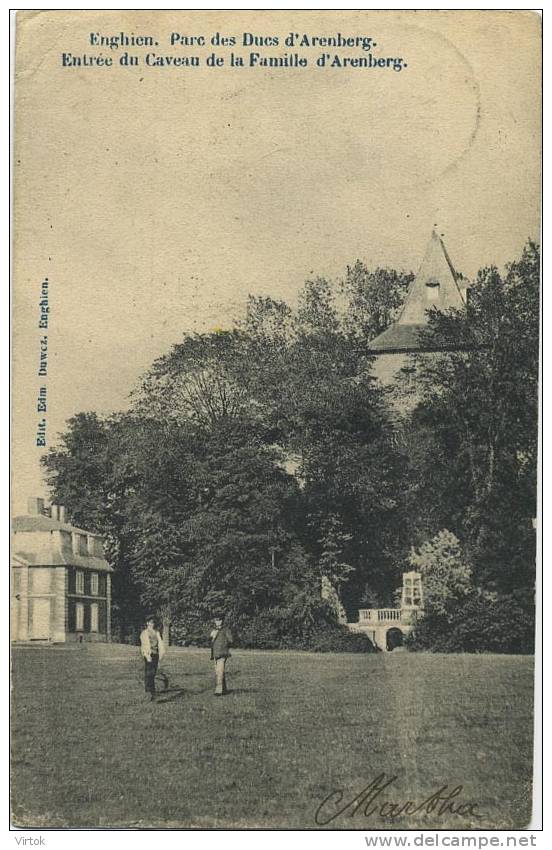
{"points": [[387, 627]]}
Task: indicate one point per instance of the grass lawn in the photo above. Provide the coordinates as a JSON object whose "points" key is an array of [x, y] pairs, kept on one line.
{"points": [[89, 750]]}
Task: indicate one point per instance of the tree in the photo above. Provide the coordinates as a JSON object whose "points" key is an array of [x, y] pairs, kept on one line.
{"points": [[333, 544], [481, 622], [446, 578], [374, 299], [325, 410], [202, 380], [77, 471], [460, 616], [478, 405]]}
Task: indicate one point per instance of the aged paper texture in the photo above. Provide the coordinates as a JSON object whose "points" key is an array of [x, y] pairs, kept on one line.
{"points": [[331, 483]]}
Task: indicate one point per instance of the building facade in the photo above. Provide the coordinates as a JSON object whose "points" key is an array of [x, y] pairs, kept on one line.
{"points": [[60, 580]]}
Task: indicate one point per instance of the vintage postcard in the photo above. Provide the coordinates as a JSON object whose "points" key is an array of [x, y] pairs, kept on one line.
{"points": [[275, 419]]}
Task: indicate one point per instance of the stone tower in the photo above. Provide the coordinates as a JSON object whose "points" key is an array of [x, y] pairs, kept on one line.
{"points": [[436, 285]]}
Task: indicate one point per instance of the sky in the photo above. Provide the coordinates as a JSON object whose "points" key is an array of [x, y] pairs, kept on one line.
{"points": [[155, 200]]}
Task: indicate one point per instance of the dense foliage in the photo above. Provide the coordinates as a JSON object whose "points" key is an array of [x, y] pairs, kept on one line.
{"points": [[256, 461]]}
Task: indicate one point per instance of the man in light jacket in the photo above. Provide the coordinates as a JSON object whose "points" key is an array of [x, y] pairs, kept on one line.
{"points": [[153, 650]]}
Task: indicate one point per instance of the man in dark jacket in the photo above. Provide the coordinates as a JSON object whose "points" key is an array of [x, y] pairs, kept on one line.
{"points": [[221, 640], [153, 650]]}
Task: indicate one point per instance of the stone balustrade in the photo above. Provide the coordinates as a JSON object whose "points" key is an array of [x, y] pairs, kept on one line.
{"points": [[379, 615], [377, 622]]}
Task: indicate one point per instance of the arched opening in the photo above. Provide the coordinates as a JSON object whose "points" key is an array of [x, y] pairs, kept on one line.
{"points": [[393, 639]]}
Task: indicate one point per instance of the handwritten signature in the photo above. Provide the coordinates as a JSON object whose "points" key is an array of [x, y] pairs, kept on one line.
{"points": [[366, 804]]}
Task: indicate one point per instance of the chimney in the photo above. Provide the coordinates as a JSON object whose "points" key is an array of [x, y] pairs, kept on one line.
{"points": [[55, 512], [35, 506], [61, 514]]}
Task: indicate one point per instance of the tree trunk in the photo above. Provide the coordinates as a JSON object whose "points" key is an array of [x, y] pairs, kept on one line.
{"points": [[166, 624], [490, 480]]}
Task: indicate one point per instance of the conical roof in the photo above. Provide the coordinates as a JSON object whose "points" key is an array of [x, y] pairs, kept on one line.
{"points": [[434, 286], [436, 272]]}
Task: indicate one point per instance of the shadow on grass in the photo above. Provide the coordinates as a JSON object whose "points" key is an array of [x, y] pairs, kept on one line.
{"points": [[238, 691], [191, 675], [175, 693], [171, 695], [182, 675]]}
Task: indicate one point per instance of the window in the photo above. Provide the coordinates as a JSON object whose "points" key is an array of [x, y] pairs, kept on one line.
{"points": [[432, 291], [80, 544], [94, 617], [94, 584], [79, 584], [79, 610]]}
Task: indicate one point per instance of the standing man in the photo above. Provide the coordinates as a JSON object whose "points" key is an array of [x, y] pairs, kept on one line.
{"points": [[153, 650], [221, 640]]}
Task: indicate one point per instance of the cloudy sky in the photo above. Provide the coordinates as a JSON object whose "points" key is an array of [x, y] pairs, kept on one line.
{"points": [[156, 199]]}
